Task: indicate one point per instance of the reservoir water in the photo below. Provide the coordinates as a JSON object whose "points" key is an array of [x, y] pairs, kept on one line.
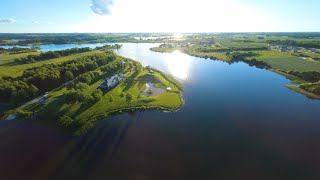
{"points": [[238, 122]]}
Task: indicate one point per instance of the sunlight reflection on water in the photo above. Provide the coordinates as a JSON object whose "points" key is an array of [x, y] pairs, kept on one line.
{"points": [[178, 64]]}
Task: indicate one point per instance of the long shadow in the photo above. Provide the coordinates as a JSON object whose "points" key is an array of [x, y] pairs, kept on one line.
{"points": [[10, 64], [84, 107], [128, 83], [98, 145]]}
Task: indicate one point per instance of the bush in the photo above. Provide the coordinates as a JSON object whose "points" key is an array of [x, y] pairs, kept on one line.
{"points": [[76, 95], [23, 113], [65, 121], [311, 87], [128, 97], [97, 95]]}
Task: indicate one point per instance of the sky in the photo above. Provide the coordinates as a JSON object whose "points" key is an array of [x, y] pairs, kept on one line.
{"points": [[178, 16]]}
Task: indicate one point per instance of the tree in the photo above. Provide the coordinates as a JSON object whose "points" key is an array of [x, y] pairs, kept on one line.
{"points": [[81, 86], [65, 121], [68, 76], [24, 114], [97, 95], [128, 97]]}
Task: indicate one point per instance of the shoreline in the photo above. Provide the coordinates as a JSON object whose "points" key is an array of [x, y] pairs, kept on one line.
{"points": [[304, 92], [292, 78]]}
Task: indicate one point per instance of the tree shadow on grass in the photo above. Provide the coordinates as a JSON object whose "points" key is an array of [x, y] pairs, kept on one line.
{"points": [[147, 78], [84, 107], [129, 82], [10, 64]]}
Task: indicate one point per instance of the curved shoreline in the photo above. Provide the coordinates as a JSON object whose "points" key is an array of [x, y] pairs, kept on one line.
{"points": [[263, 66]]}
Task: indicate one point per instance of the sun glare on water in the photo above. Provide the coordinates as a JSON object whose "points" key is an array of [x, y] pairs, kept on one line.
{"points": [[178, 64]]}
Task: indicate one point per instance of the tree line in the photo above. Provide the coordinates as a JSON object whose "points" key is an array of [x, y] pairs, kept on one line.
{"points": [[232, 49], [243, 57], [305, 44], [311, 76], [50, 55], [18, 50]]}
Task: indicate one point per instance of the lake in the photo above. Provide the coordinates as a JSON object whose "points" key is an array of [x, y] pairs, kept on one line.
{"points": [[238, 122]]}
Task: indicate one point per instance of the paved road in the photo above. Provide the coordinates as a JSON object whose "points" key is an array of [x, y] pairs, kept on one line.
{"points": [[13, 116]]}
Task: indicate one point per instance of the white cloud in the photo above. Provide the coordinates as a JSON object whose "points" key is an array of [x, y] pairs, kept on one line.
{"points": [[7, 20], [101, 7]]}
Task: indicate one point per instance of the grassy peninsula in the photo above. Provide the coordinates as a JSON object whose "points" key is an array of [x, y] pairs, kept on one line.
{"points": [[64, 91]]}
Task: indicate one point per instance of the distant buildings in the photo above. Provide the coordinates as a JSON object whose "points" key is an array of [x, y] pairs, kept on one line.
{"points": [[312, 50], [295, 49], [166, 46], [279, 48], [185, 44], [112, 82]]}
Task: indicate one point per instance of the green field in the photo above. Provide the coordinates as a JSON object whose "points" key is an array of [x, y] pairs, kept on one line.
{"points": [[7, 58], [286, 62], [249, 42]]}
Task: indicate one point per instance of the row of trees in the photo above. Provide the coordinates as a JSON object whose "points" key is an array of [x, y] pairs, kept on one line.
{"points": [[109, 47], [50, 55], [18, 50], [213, 49], [305, 44], [239, 56], [245, 57]]}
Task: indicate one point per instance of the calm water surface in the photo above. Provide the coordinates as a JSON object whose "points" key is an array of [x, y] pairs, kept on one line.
{"points": [[238, 122]]}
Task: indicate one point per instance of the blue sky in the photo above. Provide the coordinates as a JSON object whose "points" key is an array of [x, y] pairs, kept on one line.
{"points": [[159, 15]]}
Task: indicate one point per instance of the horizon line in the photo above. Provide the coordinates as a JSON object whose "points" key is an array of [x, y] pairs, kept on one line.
{"points": [[156, 32]]}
